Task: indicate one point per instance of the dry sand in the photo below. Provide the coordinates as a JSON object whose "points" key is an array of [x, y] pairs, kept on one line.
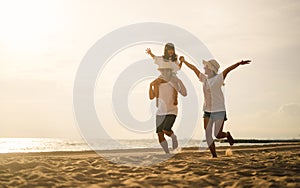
{"points": [[249, 166]]}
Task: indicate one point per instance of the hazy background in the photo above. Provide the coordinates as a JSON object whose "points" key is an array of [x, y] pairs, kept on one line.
{"points": [[43, 42]]}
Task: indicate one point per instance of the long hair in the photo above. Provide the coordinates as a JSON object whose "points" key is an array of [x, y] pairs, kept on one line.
{"points": [[166, 57]]}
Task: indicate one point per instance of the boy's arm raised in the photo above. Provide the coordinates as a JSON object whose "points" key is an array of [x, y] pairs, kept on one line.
{"points": [[234, 66]]}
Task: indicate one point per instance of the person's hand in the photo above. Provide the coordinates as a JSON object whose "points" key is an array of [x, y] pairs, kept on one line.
{"points": [[244, 62], [148, 51], [181, 59]]}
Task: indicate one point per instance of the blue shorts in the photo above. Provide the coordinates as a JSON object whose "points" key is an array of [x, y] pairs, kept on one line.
{"points": [[215, 115]]}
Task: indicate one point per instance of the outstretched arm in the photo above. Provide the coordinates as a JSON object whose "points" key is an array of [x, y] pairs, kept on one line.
{"points": [[232, 67], [148, 51], [192, 67]]}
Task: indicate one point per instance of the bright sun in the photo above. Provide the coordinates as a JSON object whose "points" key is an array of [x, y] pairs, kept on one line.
{"points": [[25, 25]]}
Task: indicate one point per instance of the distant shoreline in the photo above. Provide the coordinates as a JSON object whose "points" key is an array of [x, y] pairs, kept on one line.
{"points": [[151, 150], [262, 140], [36, 145]]}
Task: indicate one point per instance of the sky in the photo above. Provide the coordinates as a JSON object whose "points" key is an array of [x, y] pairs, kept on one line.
{"points": [[43, 43]]}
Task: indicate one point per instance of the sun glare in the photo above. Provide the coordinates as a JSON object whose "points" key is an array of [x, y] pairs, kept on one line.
{"points": [[25, 25]]}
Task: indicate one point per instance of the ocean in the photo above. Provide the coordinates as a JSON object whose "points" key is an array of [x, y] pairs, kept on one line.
{"points": [[26, 145]]}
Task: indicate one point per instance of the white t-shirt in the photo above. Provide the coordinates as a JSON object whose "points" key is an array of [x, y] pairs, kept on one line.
{"points": [[213, 95], [166, 100], [175, 64]]}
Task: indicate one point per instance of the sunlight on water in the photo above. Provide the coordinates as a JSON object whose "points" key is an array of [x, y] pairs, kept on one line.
{"points": [[12, 145], [25, 145], [8, 145]]}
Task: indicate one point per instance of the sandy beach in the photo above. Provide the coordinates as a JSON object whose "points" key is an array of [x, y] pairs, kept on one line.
{"points": [[249, 166]]}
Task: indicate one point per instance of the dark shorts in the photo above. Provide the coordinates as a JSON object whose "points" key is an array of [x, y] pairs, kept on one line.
{"points": [[165, 122], [215, 115]]}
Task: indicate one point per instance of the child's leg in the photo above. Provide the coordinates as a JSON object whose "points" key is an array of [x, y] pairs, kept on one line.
{"points": [[219, 129], [208, 123], [174, 82], [156, 90], [219, 124]]}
